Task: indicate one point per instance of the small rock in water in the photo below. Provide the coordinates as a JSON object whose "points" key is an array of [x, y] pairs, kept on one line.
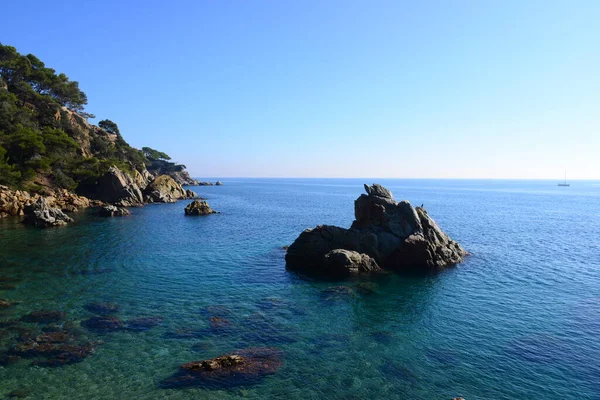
{"points": [[43, 316], [198, 207], [113, 211], [102, 308], [219, 323], [240, 368]]}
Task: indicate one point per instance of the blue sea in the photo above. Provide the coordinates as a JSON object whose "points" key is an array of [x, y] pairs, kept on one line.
{"points": [[519, 319]]}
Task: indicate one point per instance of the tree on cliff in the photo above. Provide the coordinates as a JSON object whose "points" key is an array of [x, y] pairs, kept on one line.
{"points": [[154, 155], [109, 127]]}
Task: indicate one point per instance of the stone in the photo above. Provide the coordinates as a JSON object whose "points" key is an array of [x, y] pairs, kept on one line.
{"points": [[189, 194], [198, 207], [343, 263], [164, 189], [40, 214], [394, 235], [143, 323], [239, 368], [119, 188], [113, 211], [219, 183]]}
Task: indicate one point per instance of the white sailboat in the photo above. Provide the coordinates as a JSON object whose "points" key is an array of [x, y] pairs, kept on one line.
{"points": [[565, 182]]}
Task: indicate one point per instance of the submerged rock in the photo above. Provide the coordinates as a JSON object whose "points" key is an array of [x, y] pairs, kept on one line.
{"points": [[393, 234], [143, 323], [199, 207], [103, 324], [113, 211], [242, 367], [41, 215], [43, 316]]}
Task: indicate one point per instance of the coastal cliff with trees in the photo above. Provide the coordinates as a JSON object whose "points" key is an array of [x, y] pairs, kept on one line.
{"points": [[49, 148]]}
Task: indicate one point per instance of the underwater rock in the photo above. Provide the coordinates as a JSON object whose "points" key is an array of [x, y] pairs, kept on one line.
{"points": [[394, 234], [219, 323], [334, 293], [241, 367], [43, 316], [143, 323], [6, 304], [103, 324], [199, 207], [102, 308]]}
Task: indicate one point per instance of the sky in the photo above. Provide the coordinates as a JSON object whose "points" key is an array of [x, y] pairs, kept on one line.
{"points": [[336, 88]]}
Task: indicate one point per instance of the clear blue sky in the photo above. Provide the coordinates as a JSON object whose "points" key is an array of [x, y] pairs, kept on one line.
{"points": [[337, 88]]}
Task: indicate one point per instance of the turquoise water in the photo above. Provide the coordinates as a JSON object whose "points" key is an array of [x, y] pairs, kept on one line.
{"points": [[520, 319]]}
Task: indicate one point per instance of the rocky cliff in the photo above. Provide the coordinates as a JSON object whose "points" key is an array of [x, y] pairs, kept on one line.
{"points": [[393, 235]]}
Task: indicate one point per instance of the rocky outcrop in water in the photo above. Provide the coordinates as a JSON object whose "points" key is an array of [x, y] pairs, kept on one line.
{"points": [[393, 234], [41, 215], [164, 189], [198, 207], [113, 211], [242, 367], [183, 178], [219, 183], [342, 263]]}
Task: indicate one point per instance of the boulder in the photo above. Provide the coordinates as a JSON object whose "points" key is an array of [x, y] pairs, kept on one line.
{"points": [[190, 194], [342, 263], [164, 189], [119, 188], [198, 207], [219, 183], [40, 214], [113, 211], [240, 368], [393, 235]]}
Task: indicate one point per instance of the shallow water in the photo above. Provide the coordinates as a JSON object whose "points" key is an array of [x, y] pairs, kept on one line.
{"points": [[519, 319]]}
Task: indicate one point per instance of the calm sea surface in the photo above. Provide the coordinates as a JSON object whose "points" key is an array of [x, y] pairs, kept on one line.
{"points": [[519, 319]]}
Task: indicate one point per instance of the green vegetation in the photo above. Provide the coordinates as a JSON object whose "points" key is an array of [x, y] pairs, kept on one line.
{"points": [[45, 139]]}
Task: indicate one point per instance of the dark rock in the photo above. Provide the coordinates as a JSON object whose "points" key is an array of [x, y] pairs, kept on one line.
{"points": [[219, 183], [198, 207], [394, 234], [219, 323], [113, 211], [41, 215], [205, 184], [242, 367], [366, 288], [202, 346], [190, 194], [103, 324], [102, 308], [19, 394], [7, 286], [143, 323], [43, 316], [8, 359], [6, 304]]}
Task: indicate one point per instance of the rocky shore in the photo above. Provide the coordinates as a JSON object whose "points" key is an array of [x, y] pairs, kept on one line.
{"points": [[386, 234]]}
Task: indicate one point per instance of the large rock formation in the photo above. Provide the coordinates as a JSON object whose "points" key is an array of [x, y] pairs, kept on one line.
{"points": [[164, 189], [183, 178], [120, 188], [198, 207], [394, 234], [41, 215], [13, 202]]}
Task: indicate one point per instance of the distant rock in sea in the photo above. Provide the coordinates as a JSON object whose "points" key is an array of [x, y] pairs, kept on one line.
{"points": [[386, 233], [219, 183], [199, 207]]}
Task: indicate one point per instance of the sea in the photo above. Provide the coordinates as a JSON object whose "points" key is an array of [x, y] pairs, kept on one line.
{"points": [[518, 319]]}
